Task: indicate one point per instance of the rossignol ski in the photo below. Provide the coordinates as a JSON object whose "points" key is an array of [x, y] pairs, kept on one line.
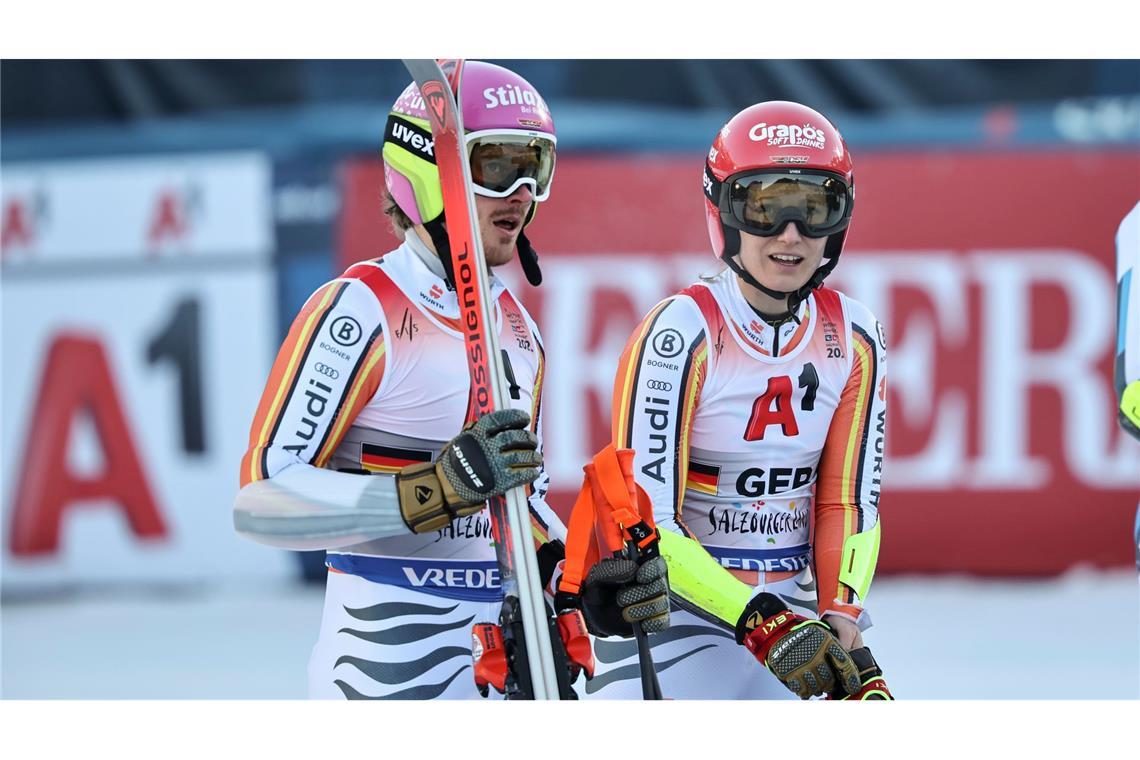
{"points": [[534, 657]]}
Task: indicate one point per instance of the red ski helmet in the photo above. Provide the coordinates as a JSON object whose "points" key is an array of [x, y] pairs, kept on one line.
{"points": [[773, 147]]}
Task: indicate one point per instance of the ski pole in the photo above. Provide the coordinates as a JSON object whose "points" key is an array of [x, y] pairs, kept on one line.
{"points": [[650, 686]]}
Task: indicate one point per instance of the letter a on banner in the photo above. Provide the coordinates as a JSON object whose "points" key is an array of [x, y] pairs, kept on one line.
{"points": [[15, 226], [77, 378]]}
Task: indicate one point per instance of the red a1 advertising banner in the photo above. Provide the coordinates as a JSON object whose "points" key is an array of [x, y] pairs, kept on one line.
{"points": [[993, 274], [136, 320]]}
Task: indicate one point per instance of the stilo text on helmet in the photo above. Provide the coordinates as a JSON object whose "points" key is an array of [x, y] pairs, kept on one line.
{"points": [[788, 135], [512, 95]]}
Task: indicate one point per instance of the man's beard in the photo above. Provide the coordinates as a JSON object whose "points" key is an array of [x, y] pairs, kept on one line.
{"points": [[497, 254]]}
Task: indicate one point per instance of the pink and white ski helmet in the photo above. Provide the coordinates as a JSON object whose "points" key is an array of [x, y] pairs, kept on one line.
{"points": [[510, 142]]}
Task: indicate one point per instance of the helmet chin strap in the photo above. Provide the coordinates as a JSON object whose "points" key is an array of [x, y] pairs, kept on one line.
{"points": [[528, 257], [435, 228], [729, 256], [794, 297]]}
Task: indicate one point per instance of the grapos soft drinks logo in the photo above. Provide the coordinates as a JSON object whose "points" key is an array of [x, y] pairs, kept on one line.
{"points": [[788, 135]]}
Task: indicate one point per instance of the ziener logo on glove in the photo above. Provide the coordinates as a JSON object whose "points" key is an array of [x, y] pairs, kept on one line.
{"points": [[787, 643], [467, 466]]}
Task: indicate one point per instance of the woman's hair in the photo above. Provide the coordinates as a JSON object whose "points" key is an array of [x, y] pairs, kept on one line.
{"points": [[711, 274], [399, 220]]}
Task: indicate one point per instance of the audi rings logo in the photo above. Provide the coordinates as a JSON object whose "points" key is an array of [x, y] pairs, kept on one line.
{"points": [[326, 370], [345, 331], [659, 385]]}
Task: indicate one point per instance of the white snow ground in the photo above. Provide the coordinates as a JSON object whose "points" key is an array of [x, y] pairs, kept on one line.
{"points": [[1075, 637]]}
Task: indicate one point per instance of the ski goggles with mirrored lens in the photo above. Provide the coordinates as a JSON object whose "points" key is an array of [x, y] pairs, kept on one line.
{"points": [[763, 202], [503, 160]]}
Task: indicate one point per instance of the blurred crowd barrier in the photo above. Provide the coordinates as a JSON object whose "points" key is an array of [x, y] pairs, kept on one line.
{"points": [[144, 298]]}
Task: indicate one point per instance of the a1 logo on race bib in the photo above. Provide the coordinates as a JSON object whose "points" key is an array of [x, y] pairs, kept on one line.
{"points": [[668, 343], [346, 331]]}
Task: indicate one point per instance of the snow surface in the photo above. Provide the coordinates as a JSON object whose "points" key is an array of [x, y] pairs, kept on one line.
{"points": [[1074, 637]]}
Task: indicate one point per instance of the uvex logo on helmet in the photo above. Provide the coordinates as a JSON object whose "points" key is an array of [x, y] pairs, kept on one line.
{"points": [[412, 138], [789, 135]]}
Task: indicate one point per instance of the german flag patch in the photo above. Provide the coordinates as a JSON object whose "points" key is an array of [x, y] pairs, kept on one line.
{"points": [[702, 478], [385, 459]]}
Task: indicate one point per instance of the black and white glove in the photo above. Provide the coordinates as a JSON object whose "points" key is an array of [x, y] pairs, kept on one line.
{"points": [[619, 593], [491, 456]]}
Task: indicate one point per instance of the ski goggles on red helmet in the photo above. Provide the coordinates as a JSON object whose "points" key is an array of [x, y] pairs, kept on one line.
{"points": [[763, 202], [504, 160]]}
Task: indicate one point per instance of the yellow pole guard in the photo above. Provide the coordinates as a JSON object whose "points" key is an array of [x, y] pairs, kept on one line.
{"points": [[1130, 402], [696, 577], [860, 555]]}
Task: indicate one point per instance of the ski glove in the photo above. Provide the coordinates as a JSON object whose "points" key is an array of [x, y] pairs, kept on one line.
{"points": [[870, 675], [489, 457], [803, 653], [619, 593]]}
